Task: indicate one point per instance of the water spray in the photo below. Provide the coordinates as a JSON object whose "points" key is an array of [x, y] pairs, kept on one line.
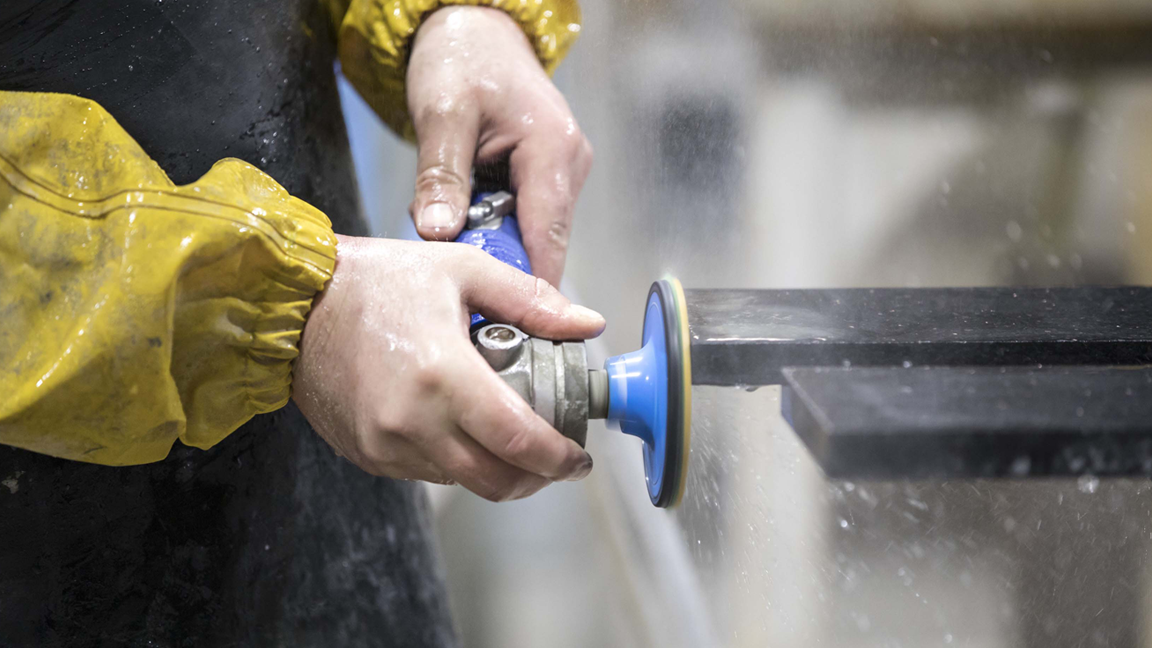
{"points": [[886, 383]]}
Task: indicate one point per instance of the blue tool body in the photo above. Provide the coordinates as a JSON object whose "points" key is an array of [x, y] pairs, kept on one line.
{"points": [[503, 243]]}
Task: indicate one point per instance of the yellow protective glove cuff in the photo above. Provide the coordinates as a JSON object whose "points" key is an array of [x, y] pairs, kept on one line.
{"points": [[134, 312], [374, 38]]}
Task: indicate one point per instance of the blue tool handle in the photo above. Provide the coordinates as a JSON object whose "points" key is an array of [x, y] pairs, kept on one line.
{"points": [[503, 243]]}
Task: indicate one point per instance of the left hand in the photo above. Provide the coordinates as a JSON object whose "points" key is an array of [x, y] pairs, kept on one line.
{"points": [[477, 93], [389, 378]]}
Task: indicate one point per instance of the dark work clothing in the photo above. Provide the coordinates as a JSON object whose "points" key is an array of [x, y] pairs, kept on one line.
{"points": [[267, 538]]}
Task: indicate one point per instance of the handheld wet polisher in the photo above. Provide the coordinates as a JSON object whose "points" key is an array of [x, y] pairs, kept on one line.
{"points": [[646, 393]]}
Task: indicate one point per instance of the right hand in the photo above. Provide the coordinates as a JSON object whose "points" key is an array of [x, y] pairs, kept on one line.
{"points": [[388, 376]]}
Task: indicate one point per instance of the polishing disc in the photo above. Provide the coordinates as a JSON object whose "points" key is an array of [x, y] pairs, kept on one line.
{"points": [[673, 317]]}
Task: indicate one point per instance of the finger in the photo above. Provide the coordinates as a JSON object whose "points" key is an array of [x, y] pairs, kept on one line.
{"points": [[446, 134], [505, 294], [465, 461], [548, 174], [493, 414]]}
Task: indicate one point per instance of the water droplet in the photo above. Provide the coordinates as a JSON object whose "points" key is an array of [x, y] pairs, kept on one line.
{"points": [[1015, 232], [1021, 466]]}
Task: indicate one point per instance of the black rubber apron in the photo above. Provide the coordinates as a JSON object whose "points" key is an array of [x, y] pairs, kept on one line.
{"points": [[268, 538]]}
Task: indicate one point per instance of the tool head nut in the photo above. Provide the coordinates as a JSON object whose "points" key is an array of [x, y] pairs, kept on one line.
{"points": [[490, 212], [499, 344]]}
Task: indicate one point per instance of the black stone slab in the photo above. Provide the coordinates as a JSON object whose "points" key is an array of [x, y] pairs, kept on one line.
{"points": [[893, 423], [746, 337]]}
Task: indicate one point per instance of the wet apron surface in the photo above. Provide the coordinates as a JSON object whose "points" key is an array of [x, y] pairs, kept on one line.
{"points": [[268, 538]]}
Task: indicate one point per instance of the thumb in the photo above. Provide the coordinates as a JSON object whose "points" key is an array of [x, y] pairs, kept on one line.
{"points": [[505, 294], [446, 141]]}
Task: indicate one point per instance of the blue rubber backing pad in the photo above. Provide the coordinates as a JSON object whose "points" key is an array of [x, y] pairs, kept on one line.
{"points": [[648, 395]]}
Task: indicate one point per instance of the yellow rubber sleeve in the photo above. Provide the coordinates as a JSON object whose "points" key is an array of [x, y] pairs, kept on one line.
{"points": [[374, 38], [134, 312]]}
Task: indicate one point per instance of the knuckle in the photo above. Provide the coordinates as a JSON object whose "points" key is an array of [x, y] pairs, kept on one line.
{"points": [[578, 148], [559, 233], [574, 138], [389, 429], [568, 130], [541, 288], [437, 179], [519, 444], [387, 420], [587, 153], [431, 376], [446, 108]]}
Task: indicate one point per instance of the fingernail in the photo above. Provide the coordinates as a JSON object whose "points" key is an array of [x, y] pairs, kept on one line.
{"points": [[436, 216], [587, 313], [585, 469]]}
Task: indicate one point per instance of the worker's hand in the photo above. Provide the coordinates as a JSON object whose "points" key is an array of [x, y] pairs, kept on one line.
{"points": [[477, 93], [388, 376]]}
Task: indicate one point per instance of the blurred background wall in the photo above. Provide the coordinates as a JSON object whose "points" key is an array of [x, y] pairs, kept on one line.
{"points": [[823, 143]]}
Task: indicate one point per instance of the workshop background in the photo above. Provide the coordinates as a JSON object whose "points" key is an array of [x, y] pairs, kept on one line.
{"points": [[823, 143]]}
